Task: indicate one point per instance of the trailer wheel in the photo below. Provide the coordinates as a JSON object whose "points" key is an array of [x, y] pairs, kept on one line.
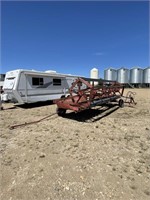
{"points": [[63, 96], [121, 103], [61, 112]]}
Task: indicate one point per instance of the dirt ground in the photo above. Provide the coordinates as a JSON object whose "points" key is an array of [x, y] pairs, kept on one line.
{"points": [[99, 154]]}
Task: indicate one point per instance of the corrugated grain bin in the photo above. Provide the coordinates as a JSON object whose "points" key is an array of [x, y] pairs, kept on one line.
{"points": [[136, 75], [123, 75], [94, 73], [110, 74], [146, 75]]}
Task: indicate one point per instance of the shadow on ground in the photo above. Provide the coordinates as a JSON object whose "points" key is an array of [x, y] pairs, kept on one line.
{"points": [[33, 105], [92, 115]]}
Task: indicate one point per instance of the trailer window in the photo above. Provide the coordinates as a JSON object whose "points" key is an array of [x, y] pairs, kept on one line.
{"points": [[10, 78], [56, 81], [37, 81]]}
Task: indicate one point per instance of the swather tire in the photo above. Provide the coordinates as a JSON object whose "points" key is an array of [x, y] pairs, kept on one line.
{"points": [[61, 112], [121, 103]]}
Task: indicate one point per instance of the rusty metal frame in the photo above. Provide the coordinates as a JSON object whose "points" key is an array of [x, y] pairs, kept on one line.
{"points": [[82, 99]]}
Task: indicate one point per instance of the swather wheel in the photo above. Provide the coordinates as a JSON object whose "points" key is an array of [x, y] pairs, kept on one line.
{"points": [[121, 103], [61, 112]]}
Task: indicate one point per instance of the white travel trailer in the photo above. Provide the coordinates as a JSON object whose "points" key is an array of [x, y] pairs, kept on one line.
{"points": [[29, 86]]}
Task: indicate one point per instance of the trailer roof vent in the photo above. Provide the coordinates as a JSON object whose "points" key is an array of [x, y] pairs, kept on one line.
{"points": [[51, 71]]}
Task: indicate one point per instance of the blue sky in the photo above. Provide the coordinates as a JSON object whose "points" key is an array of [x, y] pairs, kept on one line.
{"points": [[73, 37]]}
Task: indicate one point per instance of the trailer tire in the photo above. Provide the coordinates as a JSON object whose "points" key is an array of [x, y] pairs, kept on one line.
{"points": [[61, 112], [63, 96], [121, 103]]}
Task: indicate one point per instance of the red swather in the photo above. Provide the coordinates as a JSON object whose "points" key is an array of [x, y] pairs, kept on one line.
{"points": [[81, 99]]}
